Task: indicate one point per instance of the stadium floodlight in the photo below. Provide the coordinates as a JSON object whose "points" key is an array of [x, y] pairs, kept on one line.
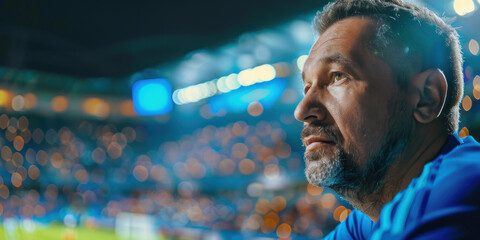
{"points": [[152, 97]]}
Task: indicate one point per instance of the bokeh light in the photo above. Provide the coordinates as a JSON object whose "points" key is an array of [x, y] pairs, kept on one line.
{"points": [[140, 173], [5, 98], [4, 121], [17, 179], [278, 203], [314, 190], [255, 109], [96, 107], [344, 215], [152, 96], [42, 157], [4, 191], [476, 93], [18, 143], [99, 155], [328, 200], [337, 212], [59, 104], [81, 175], [22, 123], [33, 172], [255, 189], [463, 7], [126, 108], [265, 72], [473, 46], [6, 153], [246, 166], [270, 222], [57, 160], [247, 77], [301, 61], [463, 132], [17, 160], [284, 230], [18, 103], [227, 166], [30, 101], [114, 150], [467, 103]]}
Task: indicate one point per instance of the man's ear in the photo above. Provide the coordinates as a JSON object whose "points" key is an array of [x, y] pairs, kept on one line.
{"points": [[430, 87]]}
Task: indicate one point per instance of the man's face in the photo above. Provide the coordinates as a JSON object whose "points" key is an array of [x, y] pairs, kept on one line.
{"points": [[354, 121]]}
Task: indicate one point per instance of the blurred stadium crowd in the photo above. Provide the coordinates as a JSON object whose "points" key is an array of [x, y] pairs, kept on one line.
{"points": [[89, 173]]}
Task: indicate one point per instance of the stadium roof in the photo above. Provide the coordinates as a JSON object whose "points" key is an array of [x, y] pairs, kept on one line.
{"points": [[117, 38]]}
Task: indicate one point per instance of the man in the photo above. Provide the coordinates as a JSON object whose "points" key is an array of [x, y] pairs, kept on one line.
{"points": [[382, 88]]}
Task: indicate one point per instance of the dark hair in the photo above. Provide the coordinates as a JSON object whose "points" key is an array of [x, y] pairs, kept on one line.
{"points": [[408, 36]]}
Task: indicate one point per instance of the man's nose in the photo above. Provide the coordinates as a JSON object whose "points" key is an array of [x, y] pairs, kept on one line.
{"points": [[310, 109]]}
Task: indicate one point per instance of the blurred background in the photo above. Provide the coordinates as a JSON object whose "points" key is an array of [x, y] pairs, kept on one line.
{"points": [[168, 119]]}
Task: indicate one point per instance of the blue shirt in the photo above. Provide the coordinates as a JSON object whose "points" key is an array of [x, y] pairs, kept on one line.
{"points": [[442, 203]]}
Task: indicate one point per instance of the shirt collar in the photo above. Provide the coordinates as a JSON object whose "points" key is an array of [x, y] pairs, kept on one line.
{"points": [[452, 141]]}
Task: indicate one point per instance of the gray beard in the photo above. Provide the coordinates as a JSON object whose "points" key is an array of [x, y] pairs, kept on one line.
{"points": [[344, 176]]}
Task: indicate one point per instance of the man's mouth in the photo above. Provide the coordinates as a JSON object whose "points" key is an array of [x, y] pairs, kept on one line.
{"points": [[316, 142]]}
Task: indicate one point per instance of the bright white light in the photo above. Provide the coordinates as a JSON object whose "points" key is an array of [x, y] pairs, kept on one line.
{"points": [[265, 72], [186, 93], [212, 88], [203, 90], [274, 183], [206, 90], [232, 81], [463, 7], [301, 61], [222, 87], [247, 77], [175, 98], [191, 94], [198, 92], [181, 96]]}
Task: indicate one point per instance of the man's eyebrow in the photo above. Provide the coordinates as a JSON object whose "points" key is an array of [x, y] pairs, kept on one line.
{"points": [[334, 58], [337, 58]]}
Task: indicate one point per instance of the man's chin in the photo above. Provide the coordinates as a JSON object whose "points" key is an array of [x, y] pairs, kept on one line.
{"points": [[322, 172]]}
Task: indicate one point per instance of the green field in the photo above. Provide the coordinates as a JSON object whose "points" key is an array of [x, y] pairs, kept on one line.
{"points": [[59, 232]]}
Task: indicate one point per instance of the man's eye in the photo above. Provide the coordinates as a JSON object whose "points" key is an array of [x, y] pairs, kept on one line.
{"points": [[305, 89], [339, 76]]}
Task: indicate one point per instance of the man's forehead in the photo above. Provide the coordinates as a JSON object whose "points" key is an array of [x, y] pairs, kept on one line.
{"points": [[349, 32], [341, 41]]}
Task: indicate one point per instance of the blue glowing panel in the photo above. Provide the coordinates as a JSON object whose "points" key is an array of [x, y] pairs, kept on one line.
{"points": [[152, 97], [267, 93]]}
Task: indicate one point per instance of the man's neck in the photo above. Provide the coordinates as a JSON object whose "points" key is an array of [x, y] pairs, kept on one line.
{"points": [[423, 148]]}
